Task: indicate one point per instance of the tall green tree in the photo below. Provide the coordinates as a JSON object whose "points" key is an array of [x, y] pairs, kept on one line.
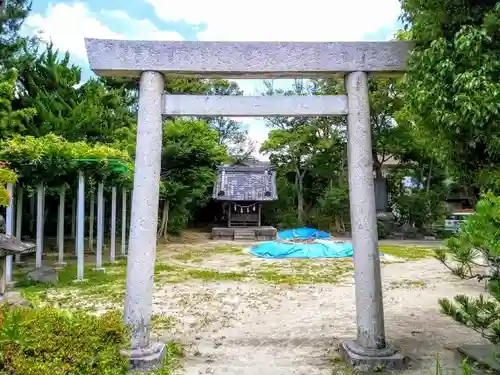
{"points": [[191, 152], [453, 84], [12, 44]]}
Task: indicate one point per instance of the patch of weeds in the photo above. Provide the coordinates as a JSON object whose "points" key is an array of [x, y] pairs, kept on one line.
{"points": [[162, 322], [211, 275], [172, 360], [304, 272], [185, 257], [339, 367], [408, 284], [408, 253], [229, 249], [173, 273], [198, 254], [244, 263]]}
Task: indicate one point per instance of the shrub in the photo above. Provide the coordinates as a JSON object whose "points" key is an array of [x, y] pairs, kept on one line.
{"points": [[476, 240], [50, 341]]}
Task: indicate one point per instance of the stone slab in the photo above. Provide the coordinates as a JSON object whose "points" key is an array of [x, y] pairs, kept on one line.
{"points": [[245, 59], [254, 106], [486, 355], [386, 361]]}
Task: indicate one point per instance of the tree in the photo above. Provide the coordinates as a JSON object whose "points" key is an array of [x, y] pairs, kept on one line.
{"points": [[11, 121], [91, 111], [191, 152], [453, 86], [476, 240], [12, 44], [294, 149], [233, 134]]}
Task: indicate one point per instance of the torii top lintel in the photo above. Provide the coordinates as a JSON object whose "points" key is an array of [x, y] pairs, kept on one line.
{"points": [[246, 59]]}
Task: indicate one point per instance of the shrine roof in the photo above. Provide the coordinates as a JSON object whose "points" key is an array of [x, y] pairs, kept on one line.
{"points": [[245, 183]]}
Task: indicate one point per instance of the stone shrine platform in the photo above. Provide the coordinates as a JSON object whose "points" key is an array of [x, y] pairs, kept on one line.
{"points": [[244, 233]]}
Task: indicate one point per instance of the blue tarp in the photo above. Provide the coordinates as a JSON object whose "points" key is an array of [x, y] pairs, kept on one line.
{"points": [[302, 233], [322, 247]]}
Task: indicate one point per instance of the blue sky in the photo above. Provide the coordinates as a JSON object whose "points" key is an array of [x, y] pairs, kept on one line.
{"points": [[67, 22]]}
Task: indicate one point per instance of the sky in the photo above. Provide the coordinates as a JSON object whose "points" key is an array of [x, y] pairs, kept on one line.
{"points": [[67, 22]]}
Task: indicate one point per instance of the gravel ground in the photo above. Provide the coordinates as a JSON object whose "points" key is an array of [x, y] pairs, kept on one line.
{"points": [[250, 327]]}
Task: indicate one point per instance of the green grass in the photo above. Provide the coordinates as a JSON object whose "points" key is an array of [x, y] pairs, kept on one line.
{"points": [[407, 252], [408, 284], [98, 287], [172, 360], [176, 274], [198, 255], [299, 272]]}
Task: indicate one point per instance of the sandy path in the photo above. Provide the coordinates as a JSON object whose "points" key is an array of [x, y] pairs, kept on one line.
{"points": [[255, 328]]}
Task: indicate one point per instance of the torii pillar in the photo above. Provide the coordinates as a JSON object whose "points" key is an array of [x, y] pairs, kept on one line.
{"points": [[150, 60]]}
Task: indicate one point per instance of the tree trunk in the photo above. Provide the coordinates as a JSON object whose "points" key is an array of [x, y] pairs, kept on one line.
{"points": [[429, 176], [300, 197], [162, 231]]}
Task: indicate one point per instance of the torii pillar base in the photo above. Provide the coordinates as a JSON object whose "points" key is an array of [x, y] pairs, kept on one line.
{"points": [[146, 359], [372, 360]]}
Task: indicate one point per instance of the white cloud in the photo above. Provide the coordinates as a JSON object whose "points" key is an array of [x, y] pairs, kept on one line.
{"points": [[282, 20], [66, 25]]}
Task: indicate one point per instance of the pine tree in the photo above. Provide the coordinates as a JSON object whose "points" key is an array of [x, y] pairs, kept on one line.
{"points": [[474, 252], [12, 44]]}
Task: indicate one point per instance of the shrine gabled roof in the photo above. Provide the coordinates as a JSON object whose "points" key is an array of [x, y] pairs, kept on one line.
{"points": [[245, 183]]}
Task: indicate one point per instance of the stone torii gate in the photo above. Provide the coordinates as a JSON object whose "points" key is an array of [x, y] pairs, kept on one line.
{"points": [[152, 61]]}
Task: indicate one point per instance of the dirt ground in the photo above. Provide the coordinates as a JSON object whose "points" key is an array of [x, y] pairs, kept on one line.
{"points": [[254, 327]]}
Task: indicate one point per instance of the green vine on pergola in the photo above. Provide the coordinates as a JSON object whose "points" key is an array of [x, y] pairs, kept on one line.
{"points": [[54, 161]]}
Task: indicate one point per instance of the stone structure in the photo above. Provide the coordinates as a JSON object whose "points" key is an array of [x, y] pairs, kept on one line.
{"points": [[152, 61], [9, 246], [242, 189]]}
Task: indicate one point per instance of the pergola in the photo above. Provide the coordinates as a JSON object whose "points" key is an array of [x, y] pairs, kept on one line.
{"points": [[153, 61]]}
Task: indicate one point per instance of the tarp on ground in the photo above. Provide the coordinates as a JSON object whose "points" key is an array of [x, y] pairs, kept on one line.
{"points": [[302, 233], [321, 245]]}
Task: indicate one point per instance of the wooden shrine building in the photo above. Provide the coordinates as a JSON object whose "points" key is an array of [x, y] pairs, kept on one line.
{"points": [[243, 189]]}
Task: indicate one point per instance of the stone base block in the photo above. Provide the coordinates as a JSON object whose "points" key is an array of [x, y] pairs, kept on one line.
{"points": [[146, 359], [60, 265], [100, 269], [372, 360]]}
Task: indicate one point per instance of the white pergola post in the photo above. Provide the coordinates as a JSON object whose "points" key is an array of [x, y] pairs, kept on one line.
{"points": [[91, 222], [40, 192], [124, 223], [80, 228], [112, 247], [60, 227], [73, 218], [149, 60], [9, 230], [100, 226], [19, 218]]}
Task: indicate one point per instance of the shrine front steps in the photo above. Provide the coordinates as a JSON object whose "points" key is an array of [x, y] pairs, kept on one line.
{"points": [[246, 234]]}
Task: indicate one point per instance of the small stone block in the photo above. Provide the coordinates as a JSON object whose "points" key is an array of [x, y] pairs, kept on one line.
{"points": [[59, 265], [76, 281], [388, 360], [146, 359], [101, 269], [484, 355]]}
